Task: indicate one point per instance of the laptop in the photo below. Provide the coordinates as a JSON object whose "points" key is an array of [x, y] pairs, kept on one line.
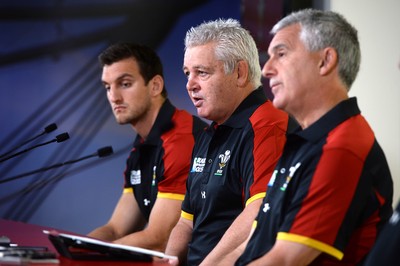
{"points": [[85, 248]]}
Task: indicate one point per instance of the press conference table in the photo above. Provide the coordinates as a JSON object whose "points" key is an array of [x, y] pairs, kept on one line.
{"points": [[32, 235]]}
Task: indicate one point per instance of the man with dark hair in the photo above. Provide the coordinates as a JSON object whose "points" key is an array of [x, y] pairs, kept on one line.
{"points": [[158, 165]]}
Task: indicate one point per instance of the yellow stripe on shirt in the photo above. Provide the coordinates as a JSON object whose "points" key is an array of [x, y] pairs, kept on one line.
{"points": [[187, 216], [254, 224], [311, 243], [256, 197], [174, 196], [127, 190]]}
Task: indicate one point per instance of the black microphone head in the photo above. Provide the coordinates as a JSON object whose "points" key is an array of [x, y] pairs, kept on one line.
{"points": [[105, 151], [50, 128], [62, 137]]}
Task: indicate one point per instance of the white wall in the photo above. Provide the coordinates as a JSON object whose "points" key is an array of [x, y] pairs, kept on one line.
{"points": [[378, 84]]}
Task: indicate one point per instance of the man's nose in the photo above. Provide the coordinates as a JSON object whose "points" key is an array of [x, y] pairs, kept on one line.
{"points": [[191, 84], [267, 70], [114, 95]]}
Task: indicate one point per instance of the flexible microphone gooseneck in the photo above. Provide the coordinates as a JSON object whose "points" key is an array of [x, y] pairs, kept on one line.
{"points": [[102, 152], [47, 129], [59, 138]]}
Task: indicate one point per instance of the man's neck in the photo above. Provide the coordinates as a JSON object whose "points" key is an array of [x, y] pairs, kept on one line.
{"points": [[145, 124]]}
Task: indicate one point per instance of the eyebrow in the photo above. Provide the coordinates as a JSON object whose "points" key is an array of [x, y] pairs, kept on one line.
{"points": [[122, 76], [278, 47], [197, 67]]}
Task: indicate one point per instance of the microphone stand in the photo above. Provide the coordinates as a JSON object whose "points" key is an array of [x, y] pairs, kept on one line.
{"points": [[101, 153], [48, 129], [59, 138]]}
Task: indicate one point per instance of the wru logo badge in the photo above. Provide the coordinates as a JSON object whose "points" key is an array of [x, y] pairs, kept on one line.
{"points": [[224, 158]]}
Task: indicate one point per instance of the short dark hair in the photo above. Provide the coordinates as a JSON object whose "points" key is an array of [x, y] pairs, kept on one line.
{"points": [[147, 59]]}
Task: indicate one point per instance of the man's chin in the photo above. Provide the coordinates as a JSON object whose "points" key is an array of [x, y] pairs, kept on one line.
{"points": [[202, 114], [122, 121], [277, 103]]}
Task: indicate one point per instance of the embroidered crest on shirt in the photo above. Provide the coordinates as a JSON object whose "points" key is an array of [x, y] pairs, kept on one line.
{"points": [[224, 158], [135, 177], [292, 170], [153, 182]]}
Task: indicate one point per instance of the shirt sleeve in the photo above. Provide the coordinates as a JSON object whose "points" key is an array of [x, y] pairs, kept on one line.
{"points": [[268, 142], [321, 205], [178, 145]]}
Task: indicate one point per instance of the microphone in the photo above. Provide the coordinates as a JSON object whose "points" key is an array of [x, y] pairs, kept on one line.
{"points": [[47, 129], [102, 152], [59, 138]]}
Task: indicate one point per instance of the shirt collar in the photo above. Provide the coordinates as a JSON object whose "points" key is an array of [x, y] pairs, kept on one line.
{"points": [[245, 109], [162, 124], [338, 114]]}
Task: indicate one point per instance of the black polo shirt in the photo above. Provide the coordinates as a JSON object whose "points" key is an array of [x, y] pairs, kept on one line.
{"points": [[231, 166], [331, 190], [159, 165]]}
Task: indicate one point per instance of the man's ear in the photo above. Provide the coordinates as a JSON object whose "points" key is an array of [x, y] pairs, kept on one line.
{"points": [[329, 61], [157, 85], [242, 73]]}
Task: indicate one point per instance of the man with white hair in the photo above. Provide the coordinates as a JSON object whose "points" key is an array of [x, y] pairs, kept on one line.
{"points": [[233, 160]]}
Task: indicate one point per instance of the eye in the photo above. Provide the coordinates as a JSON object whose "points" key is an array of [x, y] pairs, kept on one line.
{"points": [[281, 54], [126, 84], [106, 87], [186, 73], [202, 73]]}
